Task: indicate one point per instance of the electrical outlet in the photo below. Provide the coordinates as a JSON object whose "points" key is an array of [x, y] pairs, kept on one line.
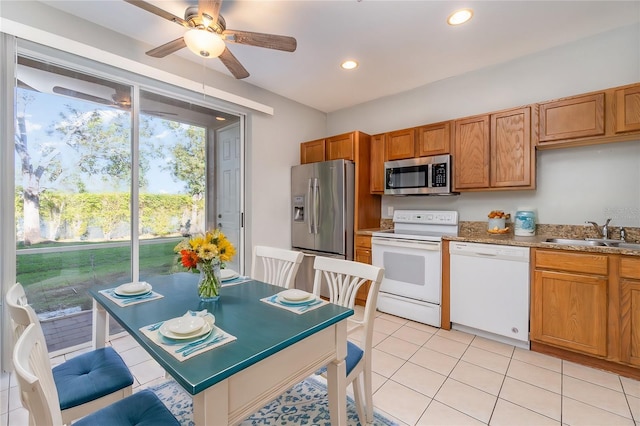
{"points": [[389, 211]]}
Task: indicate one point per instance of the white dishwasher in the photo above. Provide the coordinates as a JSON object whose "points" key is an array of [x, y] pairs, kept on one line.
{"points": [[489, 287]]}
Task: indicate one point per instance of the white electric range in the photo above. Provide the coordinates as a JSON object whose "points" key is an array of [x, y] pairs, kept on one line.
{"points": [[411, 257]]}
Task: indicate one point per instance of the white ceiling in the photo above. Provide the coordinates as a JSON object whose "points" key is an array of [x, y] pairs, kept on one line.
{"points": [[400, 45]]}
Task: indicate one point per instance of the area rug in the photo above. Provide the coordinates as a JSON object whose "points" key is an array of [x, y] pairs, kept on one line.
{"points": [[304, 404]]}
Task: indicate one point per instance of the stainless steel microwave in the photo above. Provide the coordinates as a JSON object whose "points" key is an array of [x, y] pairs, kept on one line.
{"points": [[418, 176]]}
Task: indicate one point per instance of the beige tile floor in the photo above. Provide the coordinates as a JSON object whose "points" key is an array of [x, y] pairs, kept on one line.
{"points": [[427, 376]]}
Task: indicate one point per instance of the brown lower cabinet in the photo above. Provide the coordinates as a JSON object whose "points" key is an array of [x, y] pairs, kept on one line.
{"points": [[570, 309], [363, 254], [585, 307], [630, 310]]}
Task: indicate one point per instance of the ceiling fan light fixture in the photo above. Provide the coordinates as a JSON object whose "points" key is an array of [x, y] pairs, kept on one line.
{"points": [[204, 43], [460, 17], [349, 64]]}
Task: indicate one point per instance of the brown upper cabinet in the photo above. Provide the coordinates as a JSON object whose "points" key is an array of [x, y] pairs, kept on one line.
{"points": [[377, 164], [312, 151], [494, 151], [471, 153], [610, 115], [341, 147], [354, 146], [571, 118], [627, 109], [333, 148], [434, 139], [400, 144]]}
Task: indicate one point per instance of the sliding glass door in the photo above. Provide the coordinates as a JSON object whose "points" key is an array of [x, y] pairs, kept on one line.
{"points": [[96, 159]]}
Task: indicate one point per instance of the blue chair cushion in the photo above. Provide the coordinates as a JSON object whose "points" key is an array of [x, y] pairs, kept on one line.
{"points": [[142, 408], [354, 355], [90, 376]]}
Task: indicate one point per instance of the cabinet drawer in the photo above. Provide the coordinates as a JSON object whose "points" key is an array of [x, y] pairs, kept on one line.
{"points": [[363, 241], [630, 267], [586, 263]]}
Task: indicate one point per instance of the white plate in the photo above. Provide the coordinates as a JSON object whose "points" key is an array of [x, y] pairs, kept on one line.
{"points": [[228, 274], [186, 324], [302, 302], [133, 289], [294, 295], [165, 329]]}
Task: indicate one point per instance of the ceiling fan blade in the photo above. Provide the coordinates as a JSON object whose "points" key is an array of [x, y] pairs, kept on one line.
{"points": [[157, 11], [270, 41], [233, 64], [167, 48], [211, 8]]}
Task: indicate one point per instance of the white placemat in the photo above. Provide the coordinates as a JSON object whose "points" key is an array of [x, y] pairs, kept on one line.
{"points": [[128, 301], [235, 281], [273, 300], [217, 338]]}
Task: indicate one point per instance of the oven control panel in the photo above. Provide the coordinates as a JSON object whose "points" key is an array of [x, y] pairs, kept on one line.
{"points": [[427, 217]]}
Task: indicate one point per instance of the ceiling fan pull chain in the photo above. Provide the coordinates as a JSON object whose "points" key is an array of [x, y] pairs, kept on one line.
{"points": [[204, 69]]}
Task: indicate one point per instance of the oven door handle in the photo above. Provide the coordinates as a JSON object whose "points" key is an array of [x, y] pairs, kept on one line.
{"points": [[423, 245]]}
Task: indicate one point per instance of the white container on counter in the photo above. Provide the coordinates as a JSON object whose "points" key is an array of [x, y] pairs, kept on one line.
{"points": [[496, 224], [525, 223]]}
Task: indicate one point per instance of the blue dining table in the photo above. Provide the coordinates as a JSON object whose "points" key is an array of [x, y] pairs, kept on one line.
{"points": [[274, 349]]}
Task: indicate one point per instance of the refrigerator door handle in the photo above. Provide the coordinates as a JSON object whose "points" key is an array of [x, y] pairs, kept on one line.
{"points": [[316, 205], [310, 205]]}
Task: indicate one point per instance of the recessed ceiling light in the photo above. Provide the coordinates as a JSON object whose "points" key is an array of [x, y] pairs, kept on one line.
{"points": [[220, 118], [349, 65], [460, 16]]}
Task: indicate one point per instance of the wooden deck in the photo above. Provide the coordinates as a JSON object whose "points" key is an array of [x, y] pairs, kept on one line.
{"points": [[71, 330]]}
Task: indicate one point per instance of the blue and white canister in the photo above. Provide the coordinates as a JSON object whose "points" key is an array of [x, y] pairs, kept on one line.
{"points": [[525, 223]]}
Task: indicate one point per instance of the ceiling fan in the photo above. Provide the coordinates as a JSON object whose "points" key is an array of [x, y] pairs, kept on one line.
{"points": [[208, 32]]}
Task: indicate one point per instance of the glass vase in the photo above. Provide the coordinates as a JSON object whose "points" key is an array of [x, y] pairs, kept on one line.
{"points": [[209, 283]]}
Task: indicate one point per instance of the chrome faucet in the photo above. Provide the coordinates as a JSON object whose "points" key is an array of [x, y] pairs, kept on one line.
{"points": [[604, 232]]}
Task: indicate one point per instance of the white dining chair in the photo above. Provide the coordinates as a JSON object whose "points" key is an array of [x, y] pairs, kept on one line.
{"points": [[343, 279], [279, 266], [85, 383], [39, 394]]}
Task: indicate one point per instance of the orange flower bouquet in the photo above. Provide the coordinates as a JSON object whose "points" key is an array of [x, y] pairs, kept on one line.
{"points": [[205, 254]]}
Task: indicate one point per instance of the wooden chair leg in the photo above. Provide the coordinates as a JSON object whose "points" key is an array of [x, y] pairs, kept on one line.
{"points": [[360, 401]]}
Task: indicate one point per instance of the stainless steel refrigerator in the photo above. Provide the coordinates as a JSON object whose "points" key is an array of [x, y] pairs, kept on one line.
{"points": [[322, 209]]}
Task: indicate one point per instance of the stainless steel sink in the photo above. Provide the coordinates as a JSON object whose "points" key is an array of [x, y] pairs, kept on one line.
{"points": [[632, 246], [594, 242], [570, 242]]}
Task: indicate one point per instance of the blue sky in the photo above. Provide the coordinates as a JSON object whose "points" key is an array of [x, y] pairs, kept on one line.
{"points": [[41, 115]]}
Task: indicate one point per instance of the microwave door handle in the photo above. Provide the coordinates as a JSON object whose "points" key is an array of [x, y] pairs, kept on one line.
{"points": [[310, 205], [316, 206]]}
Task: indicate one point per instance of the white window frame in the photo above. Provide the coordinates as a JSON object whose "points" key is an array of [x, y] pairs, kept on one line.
{"points": [[10, 47]]}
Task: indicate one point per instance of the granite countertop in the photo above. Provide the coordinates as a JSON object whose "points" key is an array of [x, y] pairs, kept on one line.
{"points": [[367, 232], [476, 232]]}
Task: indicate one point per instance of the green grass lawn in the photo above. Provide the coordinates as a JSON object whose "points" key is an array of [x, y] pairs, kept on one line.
{"points": [[59, 280]]}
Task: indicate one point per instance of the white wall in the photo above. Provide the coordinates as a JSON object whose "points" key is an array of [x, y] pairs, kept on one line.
{"points": [[574, 185]]}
